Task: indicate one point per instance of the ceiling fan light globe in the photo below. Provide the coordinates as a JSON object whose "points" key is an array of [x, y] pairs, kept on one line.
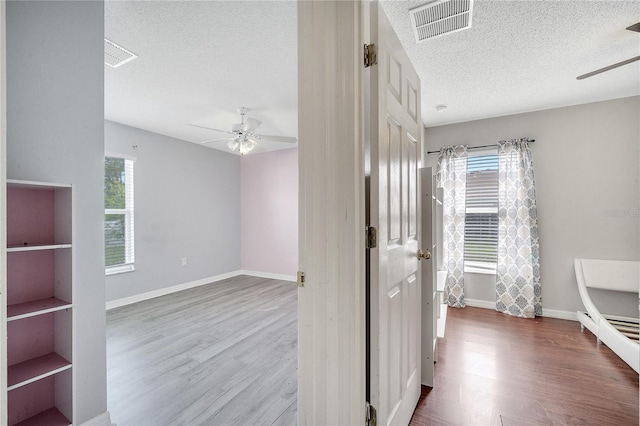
{"points": [[246, 147]]}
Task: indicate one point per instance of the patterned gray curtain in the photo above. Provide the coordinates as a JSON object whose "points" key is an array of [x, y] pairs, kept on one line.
{"points": [[452, 177], [518, 289]]}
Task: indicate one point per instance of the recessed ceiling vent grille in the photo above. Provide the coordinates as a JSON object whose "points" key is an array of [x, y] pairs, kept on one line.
{"points": [[440, 17], [115, 55]]}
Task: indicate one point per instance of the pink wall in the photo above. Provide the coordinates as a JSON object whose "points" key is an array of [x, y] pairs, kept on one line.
{"points": [[30, 217], [269, 206]]}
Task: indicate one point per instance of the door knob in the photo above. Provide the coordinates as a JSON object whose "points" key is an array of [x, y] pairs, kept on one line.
{"points": [[424, 255]]}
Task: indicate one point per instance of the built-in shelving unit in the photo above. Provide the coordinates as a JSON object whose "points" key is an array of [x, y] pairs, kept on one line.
{"points": [[39, 303], [441, 316], [431, 293], [441, 275]]}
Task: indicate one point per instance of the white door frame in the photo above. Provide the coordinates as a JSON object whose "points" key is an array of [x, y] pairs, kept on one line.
{"points": [[3, 217], [331, 305]]}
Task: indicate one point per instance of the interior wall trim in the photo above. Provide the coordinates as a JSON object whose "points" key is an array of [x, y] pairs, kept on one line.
{"points": [[556, 313], [549, 313], [168, 290], [269, 275], [477, 303]]}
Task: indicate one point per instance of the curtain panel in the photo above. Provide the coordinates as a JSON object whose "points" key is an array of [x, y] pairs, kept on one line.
{"points": [[518, 290], [451, 175]]}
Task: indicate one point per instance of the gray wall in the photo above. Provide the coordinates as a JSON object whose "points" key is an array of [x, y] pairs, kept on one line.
{"points": [[55, 113], [187, 204], [586, 163]]}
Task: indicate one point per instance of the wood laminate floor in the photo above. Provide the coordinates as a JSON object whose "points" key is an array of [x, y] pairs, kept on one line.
{"points": [[226, 354], [494, 369], [220, 354]]}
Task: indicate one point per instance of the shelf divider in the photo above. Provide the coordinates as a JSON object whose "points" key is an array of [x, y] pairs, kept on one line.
{"points": [[51, 417], [34, 247]]}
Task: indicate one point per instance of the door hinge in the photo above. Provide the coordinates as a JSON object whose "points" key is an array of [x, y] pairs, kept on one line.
{"points": [[370, 57], [371, 237], [300, 279], [370, 415]]}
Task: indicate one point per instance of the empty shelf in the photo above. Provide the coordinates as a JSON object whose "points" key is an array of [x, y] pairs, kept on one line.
{"points": [[51, 417], [35, 369], [36, 307]]}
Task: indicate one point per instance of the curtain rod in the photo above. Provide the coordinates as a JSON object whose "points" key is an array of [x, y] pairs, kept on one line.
{"points": [[477, 147]]}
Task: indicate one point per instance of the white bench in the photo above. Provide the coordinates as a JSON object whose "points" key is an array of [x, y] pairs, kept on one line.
{"points": [[618, 333]]}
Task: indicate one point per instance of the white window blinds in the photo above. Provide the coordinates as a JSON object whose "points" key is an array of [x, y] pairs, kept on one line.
{"points": [[118, 215], [481, 227]]}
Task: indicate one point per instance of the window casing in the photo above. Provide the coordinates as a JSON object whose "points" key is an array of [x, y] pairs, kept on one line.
{"points": [[119, 215], [481, 223]]}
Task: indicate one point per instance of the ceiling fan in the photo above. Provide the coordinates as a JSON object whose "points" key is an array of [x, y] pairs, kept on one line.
{"points": [[244, 139], [634, 27]]}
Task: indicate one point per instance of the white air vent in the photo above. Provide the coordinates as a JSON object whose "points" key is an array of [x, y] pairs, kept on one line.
{"points": [[440, 17], [115, 55]]}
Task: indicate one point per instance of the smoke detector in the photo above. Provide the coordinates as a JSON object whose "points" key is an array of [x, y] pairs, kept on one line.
{"points": [[115, 55], [440, 17]]}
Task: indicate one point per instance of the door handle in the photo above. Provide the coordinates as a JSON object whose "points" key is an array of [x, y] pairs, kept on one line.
{"points": [[424, 255]]}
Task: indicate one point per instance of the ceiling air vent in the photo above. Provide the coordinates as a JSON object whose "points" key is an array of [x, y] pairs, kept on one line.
{"points": [[440, 17], [115, 55]]}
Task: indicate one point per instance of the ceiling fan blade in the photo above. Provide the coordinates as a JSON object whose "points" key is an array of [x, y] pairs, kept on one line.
{"points": [[251, 125], [217, 140], [209, 128], [610, 67], [258, 148], [272, 138], [634, 27]]}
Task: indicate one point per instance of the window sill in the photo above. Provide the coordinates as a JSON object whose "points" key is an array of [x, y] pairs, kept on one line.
{"points": [[478, 271], [122, 269], [484, 268]]}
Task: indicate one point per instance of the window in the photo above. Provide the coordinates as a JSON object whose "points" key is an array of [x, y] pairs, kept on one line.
{"points": [[481, 225], [118, 215]]}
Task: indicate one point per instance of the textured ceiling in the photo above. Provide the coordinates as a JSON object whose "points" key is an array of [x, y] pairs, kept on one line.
{"points": [[198, 61], [521, 56]]}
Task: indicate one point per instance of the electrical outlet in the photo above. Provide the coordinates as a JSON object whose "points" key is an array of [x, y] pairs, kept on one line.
{"points": [[184, 261]]}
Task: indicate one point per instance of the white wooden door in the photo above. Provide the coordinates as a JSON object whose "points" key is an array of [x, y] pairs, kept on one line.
{"points": [[395, 289]]}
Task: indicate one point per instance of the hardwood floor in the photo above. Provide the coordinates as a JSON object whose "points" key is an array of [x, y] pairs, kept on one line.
{"points": [[226, 354], [494, 369], [222, 354]]}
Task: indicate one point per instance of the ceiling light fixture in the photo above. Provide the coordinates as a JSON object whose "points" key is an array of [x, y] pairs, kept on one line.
{"points": [[243, 138], [241, 146], [441, 108]]}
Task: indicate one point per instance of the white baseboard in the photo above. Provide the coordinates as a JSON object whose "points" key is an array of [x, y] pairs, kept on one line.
{"points": [[168, 290], [555, 313], [477, 303], [269, 275], [185, 286], [549, 313], [103, 419]]}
